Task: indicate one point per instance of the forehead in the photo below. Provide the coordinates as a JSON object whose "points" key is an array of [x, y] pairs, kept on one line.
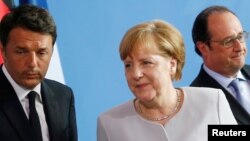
{"points": [[223, 23], [148, 46], [22, 37]]}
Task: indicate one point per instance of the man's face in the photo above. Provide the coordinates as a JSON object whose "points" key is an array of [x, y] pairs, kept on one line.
{"points": [[226, 60], [27, 56]]}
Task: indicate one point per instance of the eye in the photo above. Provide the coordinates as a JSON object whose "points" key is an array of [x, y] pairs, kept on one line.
{"points": [[228, 41], [146, 62], [20, 51], [42, 52], [240, 37], [127, 65]]}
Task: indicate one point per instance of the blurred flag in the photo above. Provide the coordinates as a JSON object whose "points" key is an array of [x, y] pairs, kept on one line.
{"points": [[55, 69], [5, 5], [40, 3]]}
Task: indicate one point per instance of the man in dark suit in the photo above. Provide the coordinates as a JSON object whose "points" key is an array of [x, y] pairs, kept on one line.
{"points": [[221, 42], [27, 35]]}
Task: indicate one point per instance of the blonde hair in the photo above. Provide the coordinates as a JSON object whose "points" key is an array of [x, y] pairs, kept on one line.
{"points": [[160, 33]]}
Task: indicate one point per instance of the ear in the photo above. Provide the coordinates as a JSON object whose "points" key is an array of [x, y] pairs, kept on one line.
{"points": [[203, 48], [173, 68], [173, 65]]}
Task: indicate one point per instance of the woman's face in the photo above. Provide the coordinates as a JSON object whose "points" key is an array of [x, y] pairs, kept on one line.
{"points": [[148, 73]]}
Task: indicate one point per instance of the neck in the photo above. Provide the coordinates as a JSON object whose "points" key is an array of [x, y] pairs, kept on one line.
{"points": [[162, 112]]}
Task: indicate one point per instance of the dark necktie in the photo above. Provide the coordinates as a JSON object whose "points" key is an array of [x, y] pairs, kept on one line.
{"points": [[239, 94], [34, 118]]}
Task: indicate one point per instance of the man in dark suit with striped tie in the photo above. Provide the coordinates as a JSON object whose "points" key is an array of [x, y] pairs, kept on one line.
{"points": [[221, 42], [32, 108]]}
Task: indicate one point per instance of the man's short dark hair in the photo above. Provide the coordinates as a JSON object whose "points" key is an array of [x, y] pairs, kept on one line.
{"points": [[200, 27], [29, 17]]}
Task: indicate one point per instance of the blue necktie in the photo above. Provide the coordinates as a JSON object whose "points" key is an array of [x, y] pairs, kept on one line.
{"points": [[34, 118], [238, 93]]}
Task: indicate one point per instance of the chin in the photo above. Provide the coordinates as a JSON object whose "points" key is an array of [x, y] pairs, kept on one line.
{"points": [[30, 84], [147, 98]]}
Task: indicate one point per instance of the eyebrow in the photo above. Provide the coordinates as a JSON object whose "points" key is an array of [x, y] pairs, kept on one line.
{"points": [[228, 37], [233, 36]]}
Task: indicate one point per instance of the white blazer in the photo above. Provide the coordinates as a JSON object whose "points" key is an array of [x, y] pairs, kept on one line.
{"points": [[201, 107]]}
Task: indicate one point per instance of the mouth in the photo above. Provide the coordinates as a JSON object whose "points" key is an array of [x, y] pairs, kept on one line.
{"points": [[238, 55], [32, 75], [141, 85]]}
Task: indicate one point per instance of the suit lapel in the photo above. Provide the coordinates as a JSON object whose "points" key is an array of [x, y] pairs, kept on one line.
{"points": [[246, 71], [50, 109], [11, 106]]}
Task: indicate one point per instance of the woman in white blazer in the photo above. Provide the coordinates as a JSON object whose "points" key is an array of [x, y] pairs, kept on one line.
{"points": [[154, 55]]}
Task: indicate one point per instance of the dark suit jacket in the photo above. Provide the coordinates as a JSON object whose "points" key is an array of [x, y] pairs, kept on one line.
{"points": [[205, 80], [58, 101]]}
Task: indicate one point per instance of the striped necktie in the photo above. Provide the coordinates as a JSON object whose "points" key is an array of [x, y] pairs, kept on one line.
{"points": [[239, 94]]}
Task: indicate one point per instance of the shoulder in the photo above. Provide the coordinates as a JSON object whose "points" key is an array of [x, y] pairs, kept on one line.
{"points": [[201, 90], [55, 86], [209, 103], [119, 111], [204, 94], [246, 67]]}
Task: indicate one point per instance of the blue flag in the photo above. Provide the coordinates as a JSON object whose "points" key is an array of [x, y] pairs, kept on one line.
{"points": [[40, 3]]}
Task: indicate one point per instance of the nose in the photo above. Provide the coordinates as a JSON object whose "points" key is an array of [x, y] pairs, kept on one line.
{"points": [[32, 60], [137, 73], [238, 45]]}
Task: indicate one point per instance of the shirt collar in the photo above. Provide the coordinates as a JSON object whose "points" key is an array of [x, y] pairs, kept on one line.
{"points": [[224, 81], [20, 91]]}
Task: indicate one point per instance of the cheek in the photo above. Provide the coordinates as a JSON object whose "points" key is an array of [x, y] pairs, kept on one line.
{"points": [[161, 73], [217, 55], [14, 63], [154, 78], [44, 62], [43, 67], [161, 78]]}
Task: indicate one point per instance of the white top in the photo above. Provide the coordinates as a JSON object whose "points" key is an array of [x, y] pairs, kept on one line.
{"points": [[201, 107]]}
